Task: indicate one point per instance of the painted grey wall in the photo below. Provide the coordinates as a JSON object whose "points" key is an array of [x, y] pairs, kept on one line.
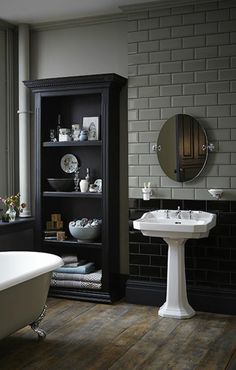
{"points": [[3, 124], [81, 50], [183, 60]]}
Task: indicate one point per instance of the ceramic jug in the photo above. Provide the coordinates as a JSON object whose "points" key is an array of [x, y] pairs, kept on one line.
{"points": [[83, 135], [83, 185]]}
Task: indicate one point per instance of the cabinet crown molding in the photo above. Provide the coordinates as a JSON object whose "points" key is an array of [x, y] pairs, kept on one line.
{"points": [[75, 81]]}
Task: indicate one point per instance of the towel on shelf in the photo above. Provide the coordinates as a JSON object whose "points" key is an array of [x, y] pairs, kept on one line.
{"points": [[75, 284], [76, 264], [93, 277], [72, 264], [69, 258], [83, 269]]}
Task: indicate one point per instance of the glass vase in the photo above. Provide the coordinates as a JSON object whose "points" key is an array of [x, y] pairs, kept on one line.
{"points": [[11, 212]]}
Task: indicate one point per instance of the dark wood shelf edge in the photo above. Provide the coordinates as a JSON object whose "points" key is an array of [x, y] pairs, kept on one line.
{"points": [[71, 194], [86, 295], [56, 144], [72, 243]]}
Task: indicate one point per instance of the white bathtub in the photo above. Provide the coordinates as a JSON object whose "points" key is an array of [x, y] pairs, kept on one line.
{"points": [[24, 283]]}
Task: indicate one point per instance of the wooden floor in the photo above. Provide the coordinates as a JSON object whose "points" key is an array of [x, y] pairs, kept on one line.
{"points": [[122, 336]]}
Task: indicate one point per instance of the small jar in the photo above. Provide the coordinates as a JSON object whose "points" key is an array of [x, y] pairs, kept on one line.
{"points": [[76, 132], [83, 135], [147, 192], [64, 134]]}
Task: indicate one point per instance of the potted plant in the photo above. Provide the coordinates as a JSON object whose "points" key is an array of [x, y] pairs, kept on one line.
{"points": [[13, 207]]}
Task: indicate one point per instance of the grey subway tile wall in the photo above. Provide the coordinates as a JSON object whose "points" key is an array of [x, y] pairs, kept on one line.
{"points": [[182, 60]]}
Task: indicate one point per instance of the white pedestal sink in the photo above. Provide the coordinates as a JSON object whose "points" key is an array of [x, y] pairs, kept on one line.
{"points": [[175, 227]]}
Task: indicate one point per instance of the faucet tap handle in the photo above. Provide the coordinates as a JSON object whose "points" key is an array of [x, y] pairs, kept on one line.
{"points": [[167, 213], [178, 212]]}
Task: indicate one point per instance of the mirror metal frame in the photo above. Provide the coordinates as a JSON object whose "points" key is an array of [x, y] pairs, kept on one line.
{"points": [[182, 148]]}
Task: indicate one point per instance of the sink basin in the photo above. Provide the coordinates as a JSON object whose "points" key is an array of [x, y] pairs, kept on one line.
{"points": [[185, 224], [175, 227]]}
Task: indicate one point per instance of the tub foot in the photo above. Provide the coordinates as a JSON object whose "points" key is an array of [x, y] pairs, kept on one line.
{"points": [[35, 325]]}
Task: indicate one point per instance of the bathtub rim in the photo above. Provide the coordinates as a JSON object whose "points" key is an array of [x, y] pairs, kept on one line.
{"points": [[50, 263]]}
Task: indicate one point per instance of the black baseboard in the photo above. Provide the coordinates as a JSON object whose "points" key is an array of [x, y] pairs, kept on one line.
{"points": [[200, 298]]}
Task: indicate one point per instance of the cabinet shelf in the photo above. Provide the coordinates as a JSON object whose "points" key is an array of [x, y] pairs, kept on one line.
{"points": [[71, 243], [71, 194], [83, 295], [56, 144]]}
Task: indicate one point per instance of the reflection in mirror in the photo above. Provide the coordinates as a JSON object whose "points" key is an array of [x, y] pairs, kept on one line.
{"points": [[182, 148]]}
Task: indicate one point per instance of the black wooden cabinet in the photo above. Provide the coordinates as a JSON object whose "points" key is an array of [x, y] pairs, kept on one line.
{"points": [[74, 98]]}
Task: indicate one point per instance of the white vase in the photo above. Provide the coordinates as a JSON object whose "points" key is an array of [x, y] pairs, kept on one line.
{"points": [[83, 185]]}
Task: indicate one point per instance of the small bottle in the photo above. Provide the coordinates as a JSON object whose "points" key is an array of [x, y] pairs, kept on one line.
{"points": [[58, 125], [87, 177]]}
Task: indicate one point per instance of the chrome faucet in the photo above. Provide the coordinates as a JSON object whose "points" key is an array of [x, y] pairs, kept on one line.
{"points": [[167, 214], [190, 215], [178, 213]]}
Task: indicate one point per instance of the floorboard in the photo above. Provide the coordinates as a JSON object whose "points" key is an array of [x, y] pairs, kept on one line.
{"points": [[90, 336]]}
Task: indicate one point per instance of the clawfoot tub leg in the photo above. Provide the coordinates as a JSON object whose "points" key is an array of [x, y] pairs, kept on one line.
{"points": [[35, 325]]}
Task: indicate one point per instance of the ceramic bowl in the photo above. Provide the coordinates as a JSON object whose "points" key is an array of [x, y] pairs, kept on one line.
{"points": [[85, 233], [62, 184]]}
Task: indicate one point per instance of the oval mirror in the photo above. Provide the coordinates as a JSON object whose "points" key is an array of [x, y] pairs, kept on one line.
{"points": [[182, 148]]}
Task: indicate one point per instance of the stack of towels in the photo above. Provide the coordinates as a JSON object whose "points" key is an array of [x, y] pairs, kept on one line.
{"points": [[77, 274]]}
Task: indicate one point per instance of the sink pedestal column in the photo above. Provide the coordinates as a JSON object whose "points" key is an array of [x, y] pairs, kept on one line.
{"points": [[176, 304]]}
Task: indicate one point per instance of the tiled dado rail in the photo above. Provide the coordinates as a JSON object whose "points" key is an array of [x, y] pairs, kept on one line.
{"points": [[210, 262]]}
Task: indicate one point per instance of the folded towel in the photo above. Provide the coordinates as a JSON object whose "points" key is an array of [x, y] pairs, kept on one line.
{"points": [[75, 284], [72, 264], [69, 258], [84, 269], [93, 277], [76, 264]]}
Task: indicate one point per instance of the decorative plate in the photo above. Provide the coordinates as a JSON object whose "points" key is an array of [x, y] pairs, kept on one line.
{"points": [[69, 163]]}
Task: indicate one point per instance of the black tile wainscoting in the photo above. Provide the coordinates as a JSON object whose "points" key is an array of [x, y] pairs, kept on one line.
{"points": [[210, 262], [17, 235]]}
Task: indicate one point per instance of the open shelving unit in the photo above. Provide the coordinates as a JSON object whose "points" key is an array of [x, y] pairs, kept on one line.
{"points": [[74, 98]]}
